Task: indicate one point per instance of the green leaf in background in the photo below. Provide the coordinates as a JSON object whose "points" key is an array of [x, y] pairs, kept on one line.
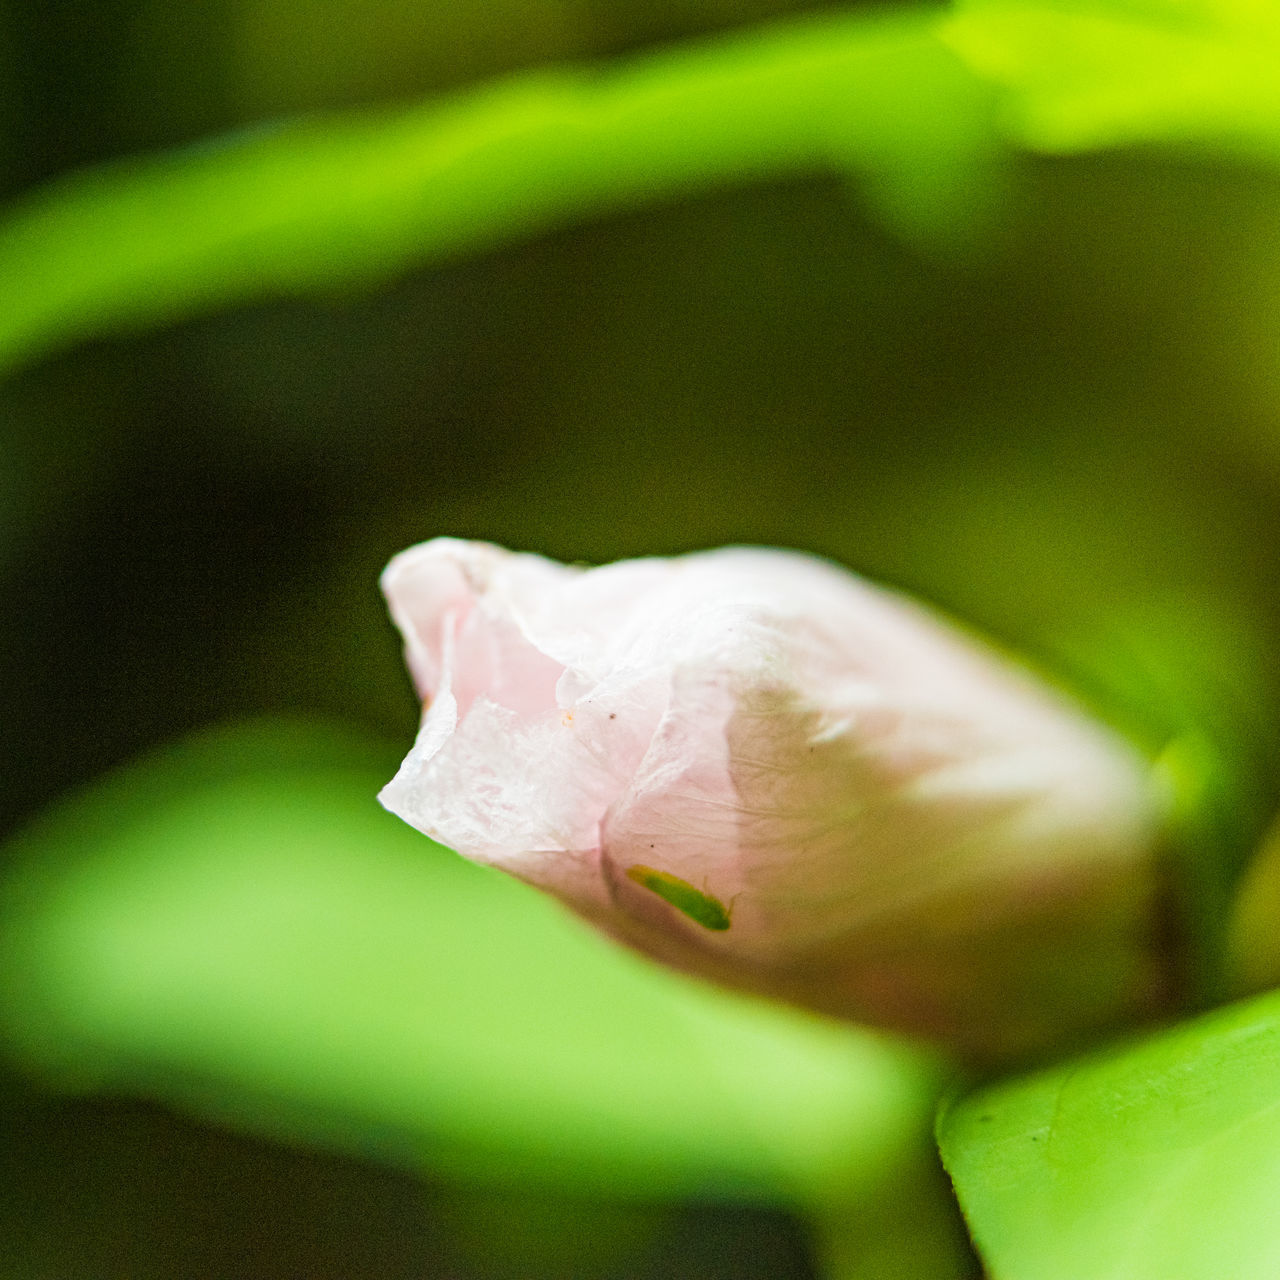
{"points": [[1082, 74], [332, 202], [234, 927], [1157, 1160]]}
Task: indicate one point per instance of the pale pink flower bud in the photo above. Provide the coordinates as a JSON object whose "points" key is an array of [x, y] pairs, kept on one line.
{"points": [[756, 767]]}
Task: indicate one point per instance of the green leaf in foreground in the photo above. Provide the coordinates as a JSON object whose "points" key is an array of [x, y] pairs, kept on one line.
{"points": [[1081, 74], [1158, 1160], [332, 202], [234, 927]]}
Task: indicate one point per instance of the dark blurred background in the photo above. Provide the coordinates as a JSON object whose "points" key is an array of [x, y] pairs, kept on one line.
{"points": [[194, 519], [1074, 427]]}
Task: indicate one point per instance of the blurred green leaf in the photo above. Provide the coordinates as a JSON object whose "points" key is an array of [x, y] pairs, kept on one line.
{"points": [[1081, 74], [1150, 1161], [234, 926], [325, 203]]}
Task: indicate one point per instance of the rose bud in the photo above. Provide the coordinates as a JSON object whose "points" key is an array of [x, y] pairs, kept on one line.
{"points": [[758, 768]]}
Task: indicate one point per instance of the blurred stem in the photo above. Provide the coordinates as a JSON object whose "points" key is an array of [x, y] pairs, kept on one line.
{"points": [[316, 204], [912, 1230], [1200, 700]]}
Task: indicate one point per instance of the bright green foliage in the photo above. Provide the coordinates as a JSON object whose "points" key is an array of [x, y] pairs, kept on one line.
{"points": [[328, 203], [903, 101], [1153, 1161], [1082, 74], [237, 928]]}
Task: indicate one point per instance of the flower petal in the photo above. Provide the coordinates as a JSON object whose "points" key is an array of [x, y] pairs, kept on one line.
{"points": [[753, 765]]}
